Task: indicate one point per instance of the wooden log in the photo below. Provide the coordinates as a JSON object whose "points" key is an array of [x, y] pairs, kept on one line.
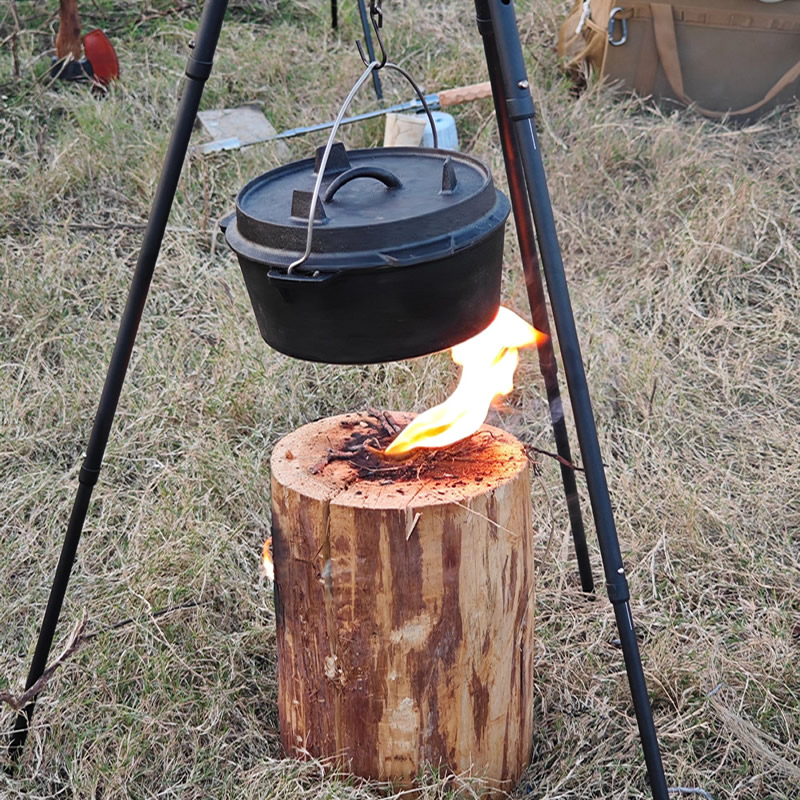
{"points": [[404, 603], [68, 39]]}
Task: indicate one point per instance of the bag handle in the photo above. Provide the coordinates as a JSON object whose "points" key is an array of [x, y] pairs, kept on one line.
{"points": [[667, 46]]}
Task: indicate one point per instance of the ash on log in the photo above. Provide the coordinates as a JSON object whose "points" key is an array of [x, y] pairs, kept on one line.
{"points": [[404, 601]]}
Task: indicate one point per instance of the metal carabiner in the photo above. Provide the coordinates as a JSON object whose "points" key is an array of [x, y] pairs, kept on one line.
{"points": [[376, 17], [611, 27]]}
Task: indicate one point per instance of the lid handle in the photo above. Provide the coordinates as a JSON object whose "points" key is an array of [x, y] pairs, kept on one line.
{"points": [[388, 179]]}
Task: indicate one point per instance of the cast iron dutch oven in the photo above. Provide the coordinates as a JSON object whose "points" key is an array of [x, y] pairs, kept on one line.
{"points": [[406, 254]]}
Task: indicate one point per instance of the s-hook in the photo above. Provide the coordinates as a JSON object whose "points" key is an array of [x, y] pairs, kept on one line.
{"points": [[376, 16], [365, 25]]}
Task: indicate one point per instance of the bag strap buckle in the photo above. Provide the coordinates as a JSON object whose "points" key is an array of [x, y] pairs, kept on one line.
{"points": [[586, 13], [612, 27]]}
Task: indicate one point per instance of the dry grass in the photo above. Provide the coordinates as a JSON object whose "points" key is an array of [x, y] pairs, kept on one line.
{"points": [[681, 243]]}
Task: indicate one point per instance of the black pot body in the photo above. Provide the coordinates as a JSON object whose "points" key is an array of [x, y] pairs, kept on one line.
{"points": [[400, 266], [388, 314]]}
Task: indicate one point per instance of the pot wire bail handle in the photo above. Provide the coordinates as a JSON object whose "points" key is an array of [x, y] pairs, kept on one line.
{"points": [[371, 66]]}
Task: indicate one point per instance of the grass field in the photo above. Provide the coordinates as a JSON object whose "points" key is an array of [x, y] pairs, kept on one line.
{"points": [[680, 240]]}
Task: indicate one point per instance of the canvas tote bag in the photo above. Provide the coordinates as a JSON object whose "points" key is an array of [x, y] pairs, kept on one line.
{"points": [[736, 58]]}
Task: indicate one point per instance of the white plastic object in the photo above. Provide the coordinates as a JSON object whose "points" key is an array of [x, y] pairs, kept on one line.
{"points": [[446, 128]]}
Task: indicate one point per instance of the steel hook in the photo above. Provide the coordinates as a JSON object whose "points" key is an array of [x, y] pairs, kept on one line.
{"points": [[376, 16]]}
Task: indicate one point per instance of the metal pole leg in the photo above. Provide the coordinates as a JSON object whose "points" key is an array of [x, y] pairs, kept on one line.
{"points": [[498, 26], [533, 281], [197, 71]]}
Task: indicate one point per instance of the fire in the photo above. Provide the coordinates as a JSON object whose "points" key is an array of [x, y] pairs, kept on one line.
{"points": [[267, 567], [488, 360]]}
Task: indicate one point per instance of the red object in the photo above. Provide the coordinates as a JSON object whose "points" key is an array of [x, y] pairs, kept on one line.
{"points": [[101, 55]]}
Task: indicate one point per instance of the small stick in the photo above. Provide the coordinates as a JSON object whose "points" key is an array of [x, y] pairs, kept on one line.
{"points": [[332, 455], [376, 470], [15, 40], [385, 424], [370, 445], [412, 525], [74, 643], [652, 397], [77, 639], [557, 457], [393, 422]]}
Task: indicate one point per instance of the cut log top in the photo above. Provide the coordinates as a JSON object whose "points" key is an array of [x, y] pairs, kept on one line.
{"points": [[474, 466]]}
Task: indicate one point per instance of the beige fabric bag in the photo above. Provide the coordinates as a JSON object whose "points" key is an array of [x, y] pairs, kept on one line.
{"points": [[738, 58]]}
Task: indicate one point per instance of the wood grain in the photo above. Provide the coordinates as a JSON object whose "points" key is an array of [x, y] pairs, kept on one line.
{"points": [[404, 610]]}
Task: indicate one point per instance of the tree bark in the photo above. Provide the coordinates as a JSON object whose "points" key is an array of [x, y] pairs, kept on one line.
{"points": [[68, 39], [404, 606]]}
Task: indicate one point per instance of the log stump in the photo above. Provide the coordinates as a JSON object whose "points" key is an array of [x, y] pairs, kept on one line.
{"points": [[404, 601]]}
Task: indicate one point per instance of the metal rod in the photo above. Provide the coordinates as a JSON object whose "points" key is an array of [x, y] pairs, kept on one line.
{"points": [[365, 24], [497, 21], [536, 298], [198, 69], [432, 101]]}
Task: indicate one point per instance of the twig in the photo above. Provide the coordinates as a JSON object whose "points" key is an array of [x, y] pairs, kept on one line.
{"points": [[77, 639], [351, 451], [131, 620], [331, 455], [176, 9], [387, 424], [557, 457], [412, 525], [652, 396], [484, 122], [689, 790], [497, 525], [15, 40], [393, 422], [376, 470], [34, 227]]}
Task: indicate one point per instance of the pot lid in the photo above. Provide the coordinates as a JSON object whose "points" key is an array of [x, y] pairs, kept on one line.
{"points": [[380, 206]]}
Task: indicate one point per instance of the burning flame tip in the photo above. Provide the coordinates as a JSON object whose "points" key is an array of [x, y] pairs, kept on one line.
{"points": [[267, 566], [489, 360]]}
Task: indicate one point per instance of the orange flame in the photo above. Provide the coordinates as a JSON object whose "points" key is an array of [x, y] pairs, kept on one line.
{"points": [[489, 360], [267, 567]]}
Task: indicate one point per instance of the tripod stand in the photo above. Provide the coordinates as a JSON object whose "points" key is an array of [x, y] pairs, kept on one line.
{"points": [[533, 212]]}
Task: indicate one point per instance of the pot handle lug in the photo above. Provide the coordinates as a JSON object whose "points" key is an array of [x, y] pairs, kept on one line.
{"points": [[226, 220], [298, 277], [388, 179]]}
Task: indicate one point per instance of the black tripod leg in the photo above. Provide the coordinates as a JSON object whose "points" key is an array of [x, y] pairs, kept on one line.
{"points": [[498, 26], [334, 14], [365, 24], [197, 71], [536, 299]]}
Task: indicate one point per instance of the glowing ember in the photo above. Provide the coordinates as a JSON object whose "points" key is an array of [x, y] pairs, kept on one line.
{"points": [[267, 567], [489, 360]]}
